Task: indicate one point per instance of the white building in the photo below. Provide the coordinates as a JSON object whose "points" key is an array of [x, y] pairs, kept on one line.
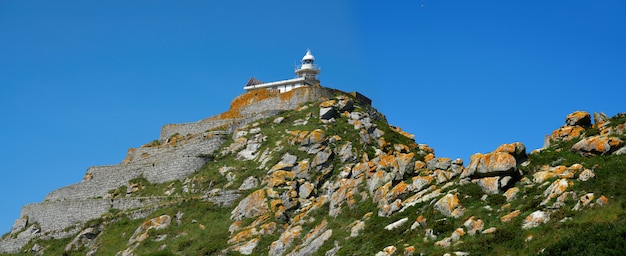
{"points": [[306, 75]]}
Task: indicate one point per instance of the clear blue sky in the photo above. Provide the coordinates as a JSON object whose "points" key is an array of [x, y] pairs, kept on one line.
{"points": [[83, 81]]}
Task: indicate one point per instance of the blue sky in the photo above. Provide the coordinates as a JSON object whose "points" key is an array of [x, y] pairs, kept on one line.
{"points": [[83, 81]]}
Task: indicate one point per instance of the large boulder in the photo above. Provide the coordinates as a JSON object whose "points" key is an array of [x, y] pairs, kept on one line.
{"points": [[597, 145], [247, 247], [312, 241], [346, 154], [327, 113], [252, 206], [496, 171], [489, 185], [557, 188], [440, 163], [141, 233], [600, 119], [578, 118], [491, 164], [405, 165], [285, 240], [287, 162], [449, 206], [575, 124], [345, 104], [457, 166], [305, 190], [328, 109], [316, 136], [566, 133], [516, 149], [253, 145], [420, 182], [535, 219], [377, 179], [322, 157], [345, 191], [473, 225], [397, 164], [249, 183], [85, 237]]}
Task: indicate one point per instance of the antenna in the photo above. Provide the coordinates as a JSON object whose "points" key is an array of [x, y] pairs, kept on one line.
{"points": [[295, 66]]}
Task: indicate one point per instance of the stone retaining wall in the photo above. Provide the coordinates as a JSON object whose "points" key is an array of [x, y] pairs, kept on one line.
{"points": [[251, 112], [160, 165], [55, 218]]}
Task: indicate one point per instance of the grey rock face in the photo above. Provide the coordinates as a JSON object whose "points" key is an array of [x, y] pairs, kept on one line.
{"points": [[322, 157], [598, 145], [84, 238], [580, 118], [289, 159], [345, 104], [492, 164], [327, 113], [346, 154], [253, 205], [439, 164], [249, 183]]}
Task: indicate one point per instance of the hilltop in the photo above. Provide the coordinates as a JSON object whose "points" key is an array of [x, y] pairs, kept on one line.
{"points": [[317, 171]]}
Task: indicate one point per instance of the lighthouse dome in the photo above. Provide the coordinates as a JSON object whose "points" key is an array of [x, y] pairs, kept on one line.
{"points": [[308, 56]]}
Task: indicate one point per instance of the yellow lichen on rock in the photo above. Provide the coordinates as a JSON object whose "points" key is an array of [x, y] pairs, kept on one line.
{"points": [[449, 206], [510, 216]]}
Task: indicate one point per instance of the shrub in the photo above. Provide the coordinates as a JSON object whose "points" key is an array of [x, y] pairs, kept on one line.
{"points": [[471, 190], [443, 227], [496, 200]]}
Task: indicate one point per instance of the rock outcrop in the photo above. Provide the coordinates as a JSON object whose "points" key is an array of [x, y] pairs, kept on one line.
{"points": [[598, 145], [495, 172]]}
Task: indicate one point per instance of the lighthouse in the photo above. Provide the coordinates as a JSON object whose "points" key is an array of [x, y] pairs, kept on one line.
{"points": [[306, 75], [308, 69]]}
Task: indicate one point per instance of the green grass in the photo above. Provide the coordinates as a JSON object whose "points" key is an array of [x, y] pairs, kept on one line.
{"points": [[189, 238], [618, 119], [602, 238]]}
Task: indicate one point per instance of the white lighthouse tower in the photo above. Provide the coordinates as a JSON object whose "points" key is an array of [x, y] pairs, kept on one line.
{"points": [[308, 69], [306, 75]]}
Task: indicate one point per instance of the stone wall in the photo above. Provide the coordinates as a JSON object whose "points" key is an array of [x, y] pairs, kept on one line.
{"points": [[77, 211], [47, 214], [250, 110], [157, 165], [13, 245], [288, 100], [55, 217], [194, 127]]}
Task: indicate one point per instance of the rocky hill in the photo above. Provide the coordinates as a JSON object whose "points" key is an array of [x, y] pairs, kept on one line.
{"points": [[317, 171]]}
